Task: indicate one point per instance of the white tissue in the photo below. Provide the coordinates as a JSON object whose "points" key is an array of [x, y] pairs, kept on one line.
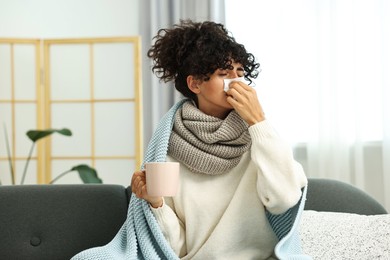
{"points": [[226, 82]]}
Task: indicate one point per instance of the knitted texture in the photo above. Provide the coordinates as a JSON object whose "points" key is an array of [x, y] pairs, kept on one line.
{"points": [[286, 227], [207, 144], [140, 237]]}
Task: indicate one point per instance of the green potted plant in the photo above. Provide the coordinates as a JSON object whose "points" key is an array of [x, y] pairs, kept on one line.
{"points": [[86, 173]]}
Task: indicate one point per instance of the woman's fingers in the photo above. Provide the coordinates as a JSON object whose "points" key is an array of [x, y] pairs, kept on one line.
{"points": [[138, 184], [244, 100], [138, 187]]}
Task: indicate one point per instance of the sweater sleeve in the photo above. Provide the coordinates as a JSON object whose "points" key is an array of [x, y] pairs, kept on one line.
{"points": [[279, 177], [171, 226]]}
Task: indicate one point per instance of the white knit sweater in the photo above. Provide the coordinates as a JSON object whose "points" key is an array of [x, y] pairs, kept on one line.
{"points": [[223, 216]]}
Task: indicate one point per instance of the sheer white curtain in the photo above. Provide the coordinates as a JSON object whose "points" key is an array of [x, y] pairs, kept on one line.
{"points": [[154, 15], [325, 82]]}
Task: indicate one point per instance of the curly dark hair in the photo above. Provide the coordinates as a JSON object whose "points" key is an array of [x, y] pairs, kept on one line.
{"points": [[198, 49]]}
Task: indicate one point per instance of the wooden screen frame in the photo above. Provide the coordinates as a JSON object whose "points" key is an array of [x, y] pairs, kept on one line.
{"points": [[135, 40], [38, 102]]}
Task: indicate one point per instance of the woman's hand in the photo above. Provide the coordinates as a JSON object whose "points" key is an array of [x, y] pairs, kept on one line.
{"points": [[244, 100], [138, 187]]}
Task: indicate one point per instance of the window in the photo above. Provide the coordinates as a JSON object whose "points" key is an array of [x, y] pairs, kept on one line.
{"points": [[324, 64]]}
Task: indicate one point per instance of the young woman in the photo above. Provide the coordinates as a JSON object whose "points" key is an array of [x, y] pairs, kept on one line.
{"points": [[234, 166]]}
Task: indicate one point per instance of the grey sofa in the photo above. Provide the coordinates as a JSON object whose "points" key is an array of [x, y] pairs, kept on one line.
{"points": [[57, 221]]}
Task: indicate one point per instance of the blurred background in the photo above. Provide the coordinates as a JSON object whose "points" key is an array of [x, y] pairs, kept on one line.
{"points": [[325, 82]]}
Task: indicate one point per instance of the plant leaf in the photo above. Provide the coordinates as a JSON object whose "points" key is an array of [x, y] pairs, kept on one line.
{"points": [[35, 135], [87, 174]]}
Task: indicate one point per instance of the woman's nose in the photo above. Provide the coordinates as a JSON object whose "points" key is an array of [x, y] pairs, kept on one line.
{"points": [[233, 74]]}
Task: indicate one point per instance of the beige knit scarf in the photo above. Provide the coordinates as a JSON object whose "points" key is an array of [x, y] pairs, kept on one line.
{"points": [[206, 144]]}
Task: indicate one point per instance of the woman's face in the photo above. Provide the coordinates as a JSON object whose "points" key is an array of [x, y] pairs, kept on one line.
{"points": [[212, 99]]}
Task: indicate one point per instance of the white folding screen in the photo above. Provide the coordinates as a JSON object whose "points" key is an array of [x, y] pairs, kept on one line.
{"points": [[91, 86], [20, 106]]}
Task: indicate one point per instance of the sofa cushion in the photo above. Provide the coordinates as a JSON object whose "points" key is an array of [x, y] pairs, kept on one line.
{"points": [[58, 221]]}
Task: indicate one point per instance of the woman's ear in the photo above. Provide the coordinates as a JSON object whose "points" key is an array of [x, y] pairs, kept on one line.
{"points": [[192, 84]]}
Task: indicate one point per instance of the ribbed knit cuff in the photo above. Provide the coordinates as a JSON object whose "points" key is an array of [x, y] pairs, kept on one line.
{"points": [[262, 130]]}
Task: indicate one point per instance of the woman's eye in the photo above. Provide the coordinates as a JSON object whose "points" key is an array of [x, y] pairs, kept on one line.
{"points": [[223, 74]]}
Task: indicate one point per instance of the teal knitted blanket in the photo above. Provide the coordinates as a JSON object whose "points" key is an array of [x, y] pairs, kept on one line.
{"points": [[140, 236]]}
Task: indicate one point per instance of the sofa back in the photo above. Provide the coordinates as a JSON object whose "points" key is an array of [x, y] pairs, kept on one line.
{"points": [[58, 221], [337, 196]]}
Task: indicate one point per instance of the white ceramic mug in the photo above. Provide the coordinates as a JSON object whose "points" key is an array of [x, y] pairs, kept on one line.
{"points": [[162, 178]]}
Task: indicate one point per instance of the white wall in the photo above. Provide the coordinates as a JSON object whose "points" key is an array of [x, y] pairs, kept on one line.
{"points": [[68, 18]]}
